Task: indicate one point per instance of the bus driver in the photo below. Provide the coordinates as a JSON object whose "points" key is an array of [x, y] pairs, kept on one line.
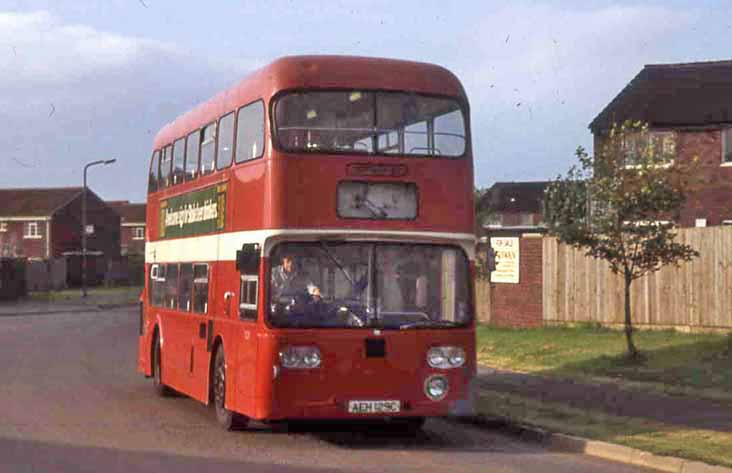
{"points": [[287, 280]]}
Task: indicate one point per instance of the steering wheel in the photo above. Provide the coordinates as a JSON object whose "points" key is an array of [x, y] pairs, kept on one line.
{"points": [[354, 320], [351, 319]]}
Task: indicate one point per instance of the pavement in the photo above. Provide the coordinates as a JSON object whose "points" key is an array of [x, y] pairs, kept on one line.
{"points": [[73, 401], [679, 411], [91, 303]]}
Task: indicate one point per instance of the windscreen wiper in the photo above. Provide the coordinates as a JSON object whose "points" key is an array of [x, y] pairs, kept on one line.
{"points": [[375, 210], [429, 323], [333, 258]]}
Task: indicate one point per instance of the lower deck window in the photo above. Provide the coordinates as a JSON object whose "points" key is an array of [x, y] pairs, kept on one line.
{"points": [[183, 287], [248, 296], [200, 288], [186, 287]]}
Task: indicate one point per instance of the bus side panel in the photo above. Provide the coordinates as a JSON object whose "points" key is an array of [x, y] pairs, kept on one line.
{"points": [[174, 350], [243, 366], [266, 360], [144, 339]]}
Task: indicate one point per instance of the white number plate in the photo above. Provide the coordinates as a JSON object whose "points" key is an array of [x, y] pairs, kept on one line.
{"points": [[373, 407]]}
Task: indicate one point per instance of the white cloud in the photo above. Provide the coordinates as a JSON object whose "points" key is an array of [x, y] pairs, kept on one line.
{"points": [[538, 74], [72, 93], [41, 49], [545, 49]]}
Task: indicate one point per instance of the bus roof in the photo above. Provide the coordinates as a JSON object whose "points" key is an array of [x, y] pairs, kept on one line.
{"points": [[300, 72]]}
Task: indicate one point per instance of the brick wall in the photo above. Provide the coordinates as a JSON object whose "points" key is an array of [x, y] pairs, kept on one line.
{"points": [[66, 228], [130, 245], [710, 194], [14, 243], [520, 305]]}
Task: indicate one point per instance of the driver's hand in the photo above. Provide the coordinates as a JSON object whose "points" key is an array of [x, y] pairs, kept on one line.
{"points": [[314, 292]]}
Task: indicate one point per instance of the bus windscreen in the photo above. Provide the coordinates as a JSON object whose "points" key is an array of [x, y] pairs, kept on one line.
{"points": [[374, 285], [363, 122]]}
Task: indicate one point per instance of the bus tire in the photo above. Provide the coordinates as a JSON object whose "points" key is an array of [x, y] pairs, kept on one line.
{"points": [[157, 369], [227, 419]]}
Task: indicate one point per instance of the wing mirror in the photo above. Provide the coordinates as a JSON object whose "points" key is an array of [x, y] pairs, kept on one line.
{"points": [[247, 259]]}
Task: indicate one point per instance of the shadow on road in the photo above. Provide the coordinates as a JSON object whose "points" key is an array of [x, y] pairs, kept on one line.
{"points": [[437, 435], [21, 456]]}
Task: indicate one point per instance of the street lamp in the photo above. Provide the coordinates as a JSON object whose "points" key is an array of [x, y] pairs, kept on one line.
{"points": [[83, 223]]}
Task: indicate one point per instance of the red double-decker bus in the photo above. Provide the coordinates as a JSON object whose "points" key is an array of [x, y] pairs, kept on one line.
{"points": [[310, 246]]}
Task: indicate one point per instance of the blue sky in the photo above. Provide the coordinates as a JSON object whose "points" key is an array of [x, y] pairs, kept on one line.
{"points": [[85, 80]]}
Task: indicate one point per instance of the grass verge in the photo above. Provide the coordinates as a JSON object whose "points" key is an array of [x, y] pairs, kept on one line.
{"points": [[676, 363], [695, 444], [95, 295]]}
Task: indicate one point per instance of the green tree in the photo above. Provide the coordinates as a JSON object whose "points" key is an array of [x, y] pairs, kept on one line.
{"points": [[620, 206], [482, 212]]}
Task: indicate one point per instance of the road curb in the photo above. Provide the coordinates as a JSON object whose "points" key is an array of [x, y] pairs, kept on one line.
{"points": [[596, 448], [76, 310]]}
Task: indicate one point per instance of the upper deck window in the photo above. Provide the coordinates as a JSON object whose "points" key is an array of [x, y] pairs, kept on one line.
{"points": [[154, 172], [208, 149], [193, 143], [359, 122], [250, 132], [166, 161], [226, 141], [179, 154]]}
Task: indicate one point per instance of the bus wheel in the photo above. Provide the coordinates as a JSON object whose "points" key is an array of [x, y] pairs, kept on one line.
{"points": [[160, 388], [227, 419]]}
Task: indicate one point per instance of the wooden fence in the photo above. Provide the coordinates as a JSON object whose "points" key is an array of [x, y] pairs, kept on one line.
{"points": [[696, 295], [483, 300]]}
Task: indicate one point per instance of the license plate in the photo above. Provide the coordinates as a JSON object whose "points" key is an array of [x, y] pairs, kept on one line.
{"points": [[373, 407]]}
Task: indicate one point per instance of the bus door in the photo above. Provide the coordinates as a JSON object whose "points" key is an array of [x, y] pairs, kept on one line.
{"points": [[246, 302], [199, 328]]}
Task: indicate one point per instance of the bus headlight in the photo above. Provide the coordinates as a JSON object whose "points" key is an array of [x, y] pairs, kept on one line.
{"points": [[300, 357], [436, 387], [446, 357]]}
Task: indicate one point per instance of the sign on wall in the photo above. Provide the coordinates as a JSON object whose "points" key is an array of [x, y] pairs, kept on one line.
{"points": [[194, 213], [507, 260]]}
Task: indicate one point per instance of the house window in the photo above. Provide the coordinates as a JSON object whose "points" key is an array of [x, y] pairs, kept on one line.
{"points": [[31, 230], [727, 145], [3, 227], [494, 220], [139, 233], [526, 219], [661, 143]]}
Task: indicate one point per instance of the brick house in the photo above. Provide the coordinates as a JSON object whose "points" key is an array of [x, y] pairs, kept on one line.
{"points": [[514, 205], [688, 108], [42, 224], [514, 229], [132, 226]]}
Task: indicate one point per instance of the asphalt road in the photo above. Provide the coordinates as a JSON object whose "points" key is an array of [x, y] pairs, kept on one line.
{"points": [[72, 401]]}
